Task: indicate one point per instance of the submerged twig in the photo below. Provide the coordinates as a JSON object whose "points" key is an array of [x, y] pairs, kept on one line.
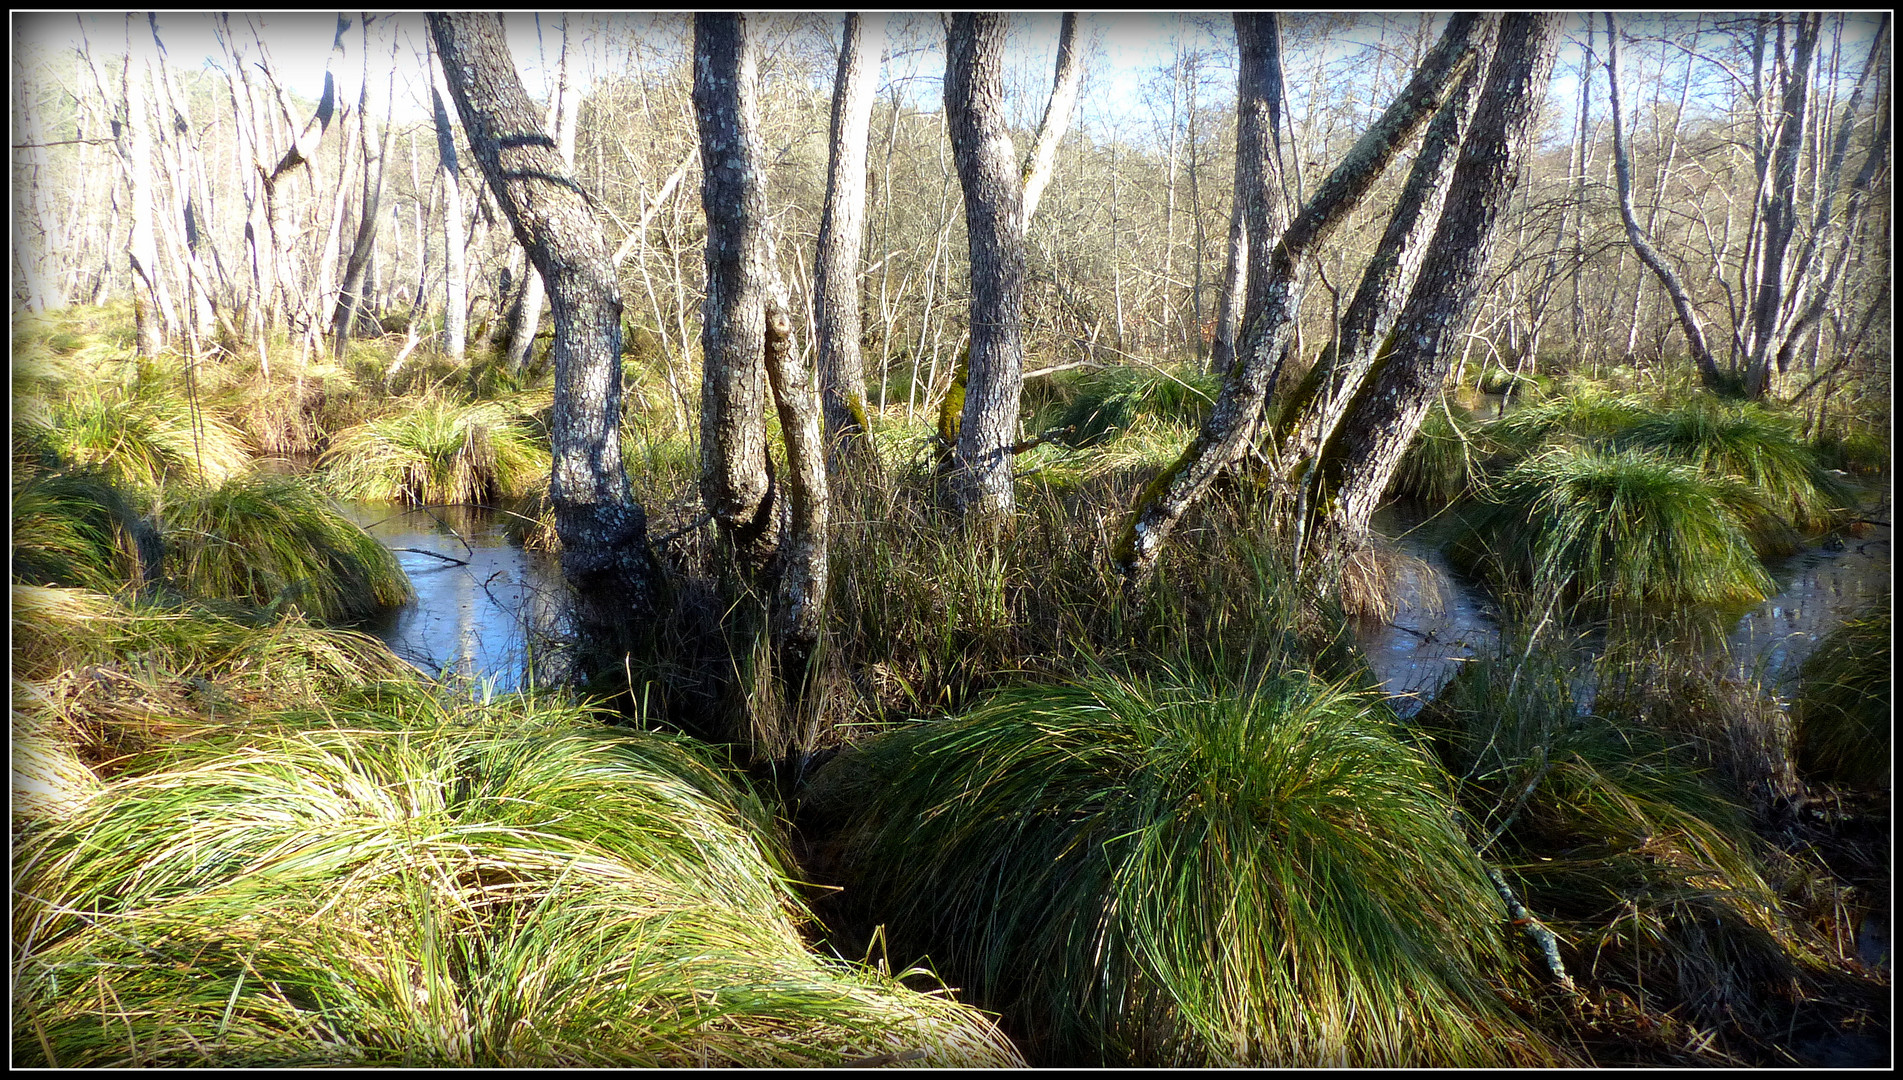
{"points": [[432, 554]]}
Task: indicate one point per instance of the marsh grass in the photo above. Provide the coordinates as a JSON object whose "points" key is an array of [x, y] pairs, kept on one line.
{"points": [[924, 615], [1843, 709], [1761, 449], [1632, 853], [438, 451], [76, 527], [144, 438], [116, 676], [1447, 460], [401, 879], [1617, 528], [1188, 867], [274, 540], [1098, 404]]}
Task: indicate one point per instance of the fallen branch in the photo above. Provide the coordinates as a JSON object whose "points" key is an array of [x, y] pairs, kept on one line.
{"points": [[445, 558], [1039, 440], [683, 530], [1533, 928]]}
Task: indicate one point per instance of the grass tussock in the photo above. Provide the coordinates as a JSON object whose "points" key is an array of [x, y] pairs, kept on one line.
{"points": [[145, 439], [1619, 528], [1843, 707], [409, 881], [1185, 868], [272, 541], [77, 528], [1750, 444], [438, 452]]}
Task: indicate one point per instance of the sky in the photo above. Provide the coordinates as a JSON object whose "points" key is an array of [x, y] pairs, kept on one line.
{"points": [[1132, 45], [1124, 51]]}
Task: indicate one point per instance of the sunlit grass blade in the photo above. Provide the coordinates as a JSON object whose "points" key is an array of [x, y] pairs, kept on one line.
{"points": [[145, 438], [1754, 446]]}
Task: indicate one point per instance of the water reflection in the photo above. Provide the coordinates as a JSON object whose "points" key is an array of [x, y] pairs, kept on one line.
{"points": [[485, 609], [1820, 588], [1442, 619], [1438, 620]]}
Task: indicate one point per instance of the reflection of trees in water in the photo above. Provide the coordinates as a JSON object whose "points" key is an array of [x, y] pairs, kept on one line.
{"points": [[493, 618]]}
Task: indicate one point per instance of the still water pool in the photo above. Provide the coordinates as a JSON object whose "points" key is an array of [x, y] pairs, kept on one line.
{"points": [[485, 609]]}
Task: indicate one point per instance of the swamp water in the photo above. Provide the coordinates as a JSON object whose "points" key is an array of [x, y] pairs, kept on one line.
{"points": [[1441, 620], [486, 610]]}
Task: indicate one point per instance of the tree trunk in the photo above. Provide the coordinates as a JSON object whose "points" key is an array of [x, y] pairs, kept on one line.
{"points": [[1779, 212], [565, 114], [735, 478], [980, 482], [836, 273], [603, 530], [747, 345], [1260, 185], [34, 286], [351, 296], [1229, 431], [1356, 465], [456, 274], [1641, 245], [1057, 112], [1318, 406]]}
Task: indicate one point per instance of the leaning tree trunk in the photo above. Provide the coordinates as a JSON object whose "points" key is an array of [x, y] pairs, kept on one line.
{"points": [[1068, 79], [603, 531], [836, 273], [456, 265], [565, 113], [1229, 432], [1641, 244], [980, 464], [1317, 407], [1355, 467]]}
